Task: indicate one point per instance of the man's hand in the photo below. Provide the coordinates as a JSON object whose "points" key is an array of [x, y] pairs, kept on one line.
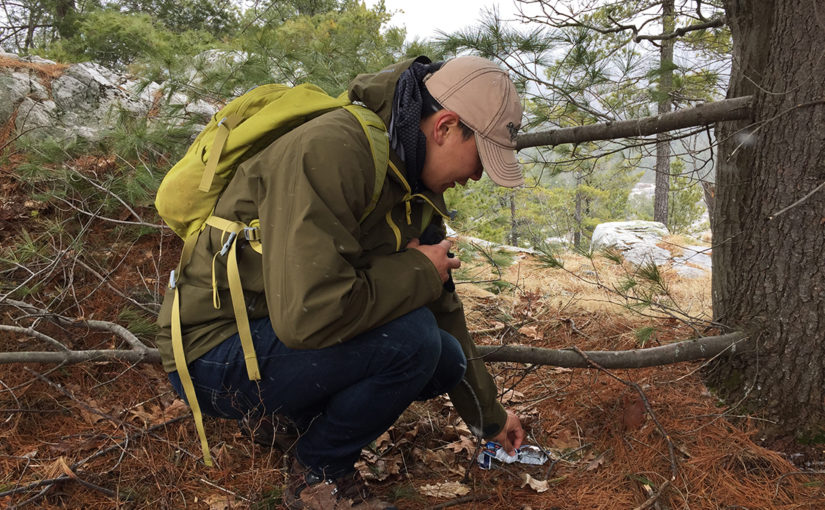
{"points": [[512, 435], [437, 253]]}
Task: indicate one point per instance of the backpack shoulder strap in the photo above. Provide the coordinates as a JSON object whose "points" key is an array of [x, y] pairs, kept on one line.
{"points": [[379, 142]]}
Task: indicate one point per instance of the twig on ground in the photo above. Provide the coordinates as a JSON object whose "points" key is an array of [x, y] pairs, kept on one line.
{"points": [[574, 328], [793, 473], [235, 494], [111, 327], [654, 497]]}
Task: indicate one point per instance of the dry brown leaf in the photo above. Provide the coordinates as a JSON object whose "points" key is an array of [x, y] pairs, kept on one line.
{"points": [[633, 414], [595, 463], [175, 409], [221, 502], [536, 485], [88, 416], [511, 395], [530, 332], [383, 440], [564, 440], [410, 434], [444, 490], [140, 413], [59, 467], [465, 444]]}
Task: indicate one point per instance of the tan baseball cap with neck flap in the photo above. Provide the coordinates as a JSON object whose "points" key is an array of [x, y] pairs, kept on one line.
{"points": [[486, 100]]}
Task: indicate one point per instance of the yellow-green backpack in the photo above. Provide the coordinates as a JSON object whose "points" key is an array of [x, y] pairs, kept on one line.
{"points": [[187, 196]]}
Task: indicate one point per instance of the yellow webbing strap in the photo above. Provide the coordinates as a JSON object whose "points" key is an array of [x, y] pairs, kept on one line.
{"points": [[376, 133], [394, 228], [186, 379], [233, 275], [407, 191], [226, 125], [429, 214]]}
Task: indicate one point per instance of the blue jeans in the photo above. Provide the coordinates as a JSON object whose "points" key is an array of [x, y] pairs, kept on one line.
{"points": [[342, 397]]}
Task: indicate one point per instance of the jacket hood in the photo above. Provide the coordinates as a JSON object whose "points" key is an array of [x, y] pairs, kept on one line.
{"points": [[376, 90]]}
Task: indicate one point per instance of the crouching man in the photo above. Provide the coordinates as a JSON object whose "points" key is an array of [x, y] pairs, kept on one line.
{"points": [[352, 316]]}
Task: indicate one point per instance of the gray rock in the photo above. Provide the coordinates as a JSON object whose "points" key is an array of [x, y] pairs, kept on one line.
{"points": [[696, 255], [89, 99], [637, 240], [71, 94], [38, 91], [201, 110], [689, 272], [37, 119], [624, 234], [14, 87]]}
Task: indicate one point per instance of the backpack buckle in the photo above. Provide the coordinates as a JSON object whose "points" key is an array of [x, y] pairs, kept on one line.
{"points": [[172, 280], [251, 234], [228, 244]]}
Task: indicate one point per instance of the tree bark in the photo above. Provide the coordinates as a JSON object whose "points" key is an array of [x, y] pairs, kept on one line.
{"points": [[768, 269], [662, 190]]}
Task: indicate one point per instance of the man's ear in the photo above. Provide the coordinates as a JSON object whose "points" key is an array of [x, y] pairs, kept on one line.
{"points": [[445, 122]]}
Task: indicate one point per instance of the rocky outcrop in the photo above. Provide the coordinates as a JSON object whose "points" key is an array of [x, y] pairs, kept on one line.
{"points": [[641, 243], [85, 100]]}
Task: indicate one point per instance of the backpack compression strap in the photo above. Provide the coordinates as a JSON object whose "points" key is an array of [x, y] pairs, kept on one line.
{"points": [[377, 137]]}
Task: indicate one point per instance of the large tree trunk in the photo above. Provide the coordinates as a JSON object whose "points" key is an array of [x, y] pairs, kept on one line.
{"points": [[769, 259], [662, 190]]}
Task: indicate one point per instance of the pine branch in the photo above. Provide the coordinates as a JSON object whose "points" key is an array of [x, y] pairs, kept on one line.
{"points": [[738, 108], [714, 23]]}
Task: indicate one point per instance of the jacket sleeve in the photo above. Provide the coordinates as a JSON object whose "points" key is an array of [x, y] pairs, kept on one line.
{"points": [[475, 398], [321, 288]]}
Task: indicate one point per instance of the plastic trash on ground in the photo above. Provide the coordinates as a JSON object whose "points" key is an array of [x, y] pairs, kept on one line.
{"points": [[527, 454]]}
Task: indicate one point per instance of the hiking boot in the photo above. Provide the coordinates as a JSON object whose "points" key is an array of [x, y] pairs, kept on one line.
{"points": [[274, 430], [308, 491]]}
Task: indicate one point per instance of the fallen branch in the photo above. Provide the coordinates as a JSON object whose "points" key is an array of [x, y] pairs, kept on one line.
{"points": [[688, 350], [654, 497], [111, 327], [738, 108], [71, 357]]}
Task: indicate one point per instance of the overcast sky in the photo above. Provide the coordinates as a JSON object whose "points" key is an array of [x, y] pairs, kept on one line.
{"points": [[423, 18]]}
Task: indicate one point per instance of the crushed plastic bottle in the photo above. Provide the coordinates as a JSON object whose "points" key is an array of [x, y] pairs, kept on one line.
{"points": [[527, 454]]}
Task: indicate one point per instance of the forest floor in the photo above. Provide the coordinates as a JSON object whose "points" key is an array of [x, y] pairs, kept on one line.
{"points": [[103, 435]]}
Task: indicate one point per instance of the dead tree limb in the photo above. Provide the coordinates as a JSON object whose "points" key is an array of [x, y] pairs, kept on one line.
{"points": [[738, 108], [688, 350], [71, 357], [111, 327]]}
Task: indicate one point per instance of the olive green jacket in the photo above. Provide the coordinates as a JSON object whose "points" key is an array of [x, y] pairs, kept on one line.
{"points": [[325, 276]]}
